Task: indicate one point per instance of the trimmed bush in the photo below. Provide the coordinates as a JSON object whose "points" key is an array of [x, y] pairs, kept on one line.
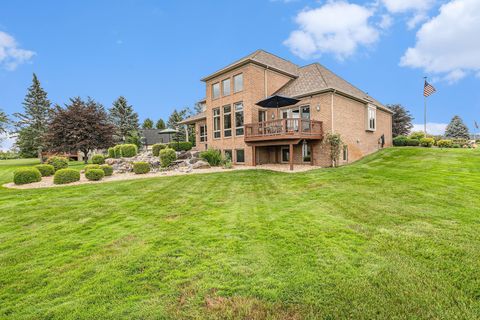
{"points": [[94, 174], [26, 175], [456, 145], [46, 170], [427, 142], [417, 135], [98, 159], [212, 156], [157, 147], [108, 170], [400, 141], [58, 162], [412, 142], [64, 176], [167, 156], [111, 153], [91, 166], [117, 150], [128, 150], [180, 146], [141, 167], [444, 143]]}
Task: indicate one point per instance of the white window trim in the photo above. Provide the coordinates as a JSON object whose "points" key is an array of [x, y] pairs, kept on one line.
{"points": [[204, 136], [223, 121], [235, 118], [243, 83], [229, 88], [219, 116], [219, 90], [374, 110]]}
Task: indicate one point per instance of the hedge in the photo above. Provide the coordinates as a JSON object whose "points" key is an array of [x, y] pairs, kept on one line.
{"points": [[417, 135], [58, 162], [157, 147], [400, 141], [111, 152], [212, 156], [128, 150], [141, 167], [167, 156], [98, 159], [180, 146], [117, 150], [26, 175], [94, 174], [108, 170], [444, 143], [427, 142], [64, 176], [412, 142], [46, 170], [91, 166]]}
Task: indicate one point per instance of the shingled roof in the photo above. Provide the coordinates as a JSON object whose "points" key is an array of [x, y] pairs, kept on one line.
{"points": [[194, 118], [315, 78], [262, 58]]}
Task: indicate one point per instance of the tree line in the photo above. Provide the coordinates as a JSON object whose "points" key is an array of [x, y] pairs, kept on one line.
{"points": [[80, 125]]}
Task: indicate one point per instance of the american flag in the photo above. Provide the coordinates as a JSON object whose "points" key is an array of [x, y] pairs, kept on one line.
{"points": [[428, 89]]}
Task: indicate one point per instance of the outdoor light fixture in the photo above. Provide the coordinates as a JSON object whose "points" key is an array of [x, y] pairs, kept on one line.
{"points": [[318, 107], [273, 116]]}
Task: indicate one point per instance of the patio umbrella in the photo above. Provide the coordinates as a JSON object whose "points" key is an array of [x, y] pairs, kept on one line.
{"points": [[169, 131], [276, 102]]}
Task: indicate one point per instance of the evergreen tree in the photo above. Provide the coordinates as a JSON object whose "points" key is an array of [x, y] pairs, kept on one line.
{"points": [[32, 124], [3, 122], [160, 124], [401, 120], [173, 123], [456, 129], [147, 124], [124, 118]]}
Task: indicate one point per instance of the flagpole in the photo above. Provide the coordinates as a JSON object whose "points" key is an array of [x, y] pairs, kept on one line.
{"points": [[425, 112]]}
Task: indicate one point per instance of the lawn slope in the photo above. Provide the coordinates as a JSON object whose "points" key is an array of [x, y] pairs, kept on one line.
{"points": [[394, 236]]}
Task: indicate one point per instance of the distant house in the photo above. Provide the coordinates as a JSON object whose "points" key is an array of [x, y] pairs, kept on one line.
{"points": [[233, 122], [153, 136]]}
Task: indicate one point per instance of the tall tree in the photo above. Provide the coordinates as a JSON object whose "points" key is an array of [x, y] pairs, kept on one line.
{"points": [[80, 126], [173, 123], [160, 124], [147, 124], [456, 129], [124, 118], [3, 122], [401, 120], [32, 124]]}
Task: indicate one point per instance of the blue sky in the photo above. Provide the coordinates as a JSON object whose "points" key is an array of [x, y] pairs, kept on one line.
{"points": [[155, 52]]}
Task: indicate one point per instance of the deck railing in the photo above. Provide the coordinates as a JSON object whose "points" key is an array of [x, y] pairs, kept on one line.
{"points": [[290, 127]]}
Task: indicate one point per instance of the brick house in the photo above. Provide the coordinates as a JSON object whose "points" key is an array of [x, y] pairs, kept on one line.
{"points": [[233, 122]]}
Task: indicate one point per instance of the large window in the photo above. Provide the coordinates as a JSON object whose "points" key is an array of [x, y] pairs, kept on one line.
{"points": [[215, 90], [216, 123], [240, 156], [227, 121], [238, 83], [239, 119], [372, 118], [226, 87], [306, 152], [203, 133]]}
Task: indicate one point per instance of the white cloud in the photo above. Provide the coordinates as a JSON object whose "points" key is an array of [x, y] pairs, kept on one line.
{"points": [[432, 128], [446, 45], [418, 8], [386, 21], [6, 142], [10, 54], [337, 27]]}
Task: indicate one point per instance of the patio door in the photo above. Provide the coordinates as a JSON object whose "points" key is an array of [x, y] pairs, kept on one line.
{"points": [[285, 154], [305, 116]]}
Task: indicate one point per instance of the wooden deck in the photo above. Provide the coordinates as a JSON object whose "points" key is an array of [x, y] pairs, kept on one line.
{"points": [[283, 129]]}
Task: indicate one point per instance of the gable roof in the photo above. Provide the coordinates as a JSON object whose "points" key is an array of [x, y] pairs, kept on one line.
{"points": [[263, 58], [194, 118], [315, 78]]}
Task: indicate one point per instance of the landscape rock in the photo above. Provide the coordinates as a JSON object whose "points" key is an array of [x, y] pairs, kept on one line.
{"points": [[200, 164]]}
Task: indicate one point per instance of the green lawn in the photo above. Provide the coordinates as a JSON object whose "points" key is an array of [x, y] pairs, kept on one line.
{"points": [[394, 236]]}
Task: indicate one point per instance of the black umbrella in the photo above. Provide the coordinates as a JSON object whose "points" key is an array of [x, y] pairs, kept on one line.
{"points": [[276, 102]]}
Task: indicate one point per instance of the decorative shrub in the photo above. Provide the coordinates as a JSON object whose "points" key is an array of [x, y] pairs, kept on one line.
{"points": [[417, 135], [58, 162], [412, 142], [400, 141], [26, 175], [64, 176], [157, 147], [111, 152], [180, 146], [117, 150], [141, 167], [427, 142], [212, 156], [91, 166], [456, 145], [108, 170], [167, 156], [94, 174], [46, 170], [444, 143], [128, 150], [98, 159]]}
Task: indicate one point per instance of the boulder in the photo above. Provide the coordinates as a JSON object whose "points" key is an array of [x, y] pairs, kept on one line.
{"points": [[200, 164]]}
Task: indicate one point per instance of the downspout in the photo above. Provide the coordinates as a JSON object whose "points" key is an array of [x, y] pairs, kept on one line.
{"points": [[331, 110]]}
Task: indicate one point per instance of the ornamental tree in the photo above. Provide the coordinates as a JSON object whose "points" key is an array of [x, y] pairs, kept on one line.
{"points": [[124, 118], [456, 129]]}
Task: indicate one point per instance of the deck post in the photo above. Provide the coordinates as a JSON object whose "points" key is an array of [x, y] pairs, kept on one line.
{"points": [[290, 158], [254, 156]]}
